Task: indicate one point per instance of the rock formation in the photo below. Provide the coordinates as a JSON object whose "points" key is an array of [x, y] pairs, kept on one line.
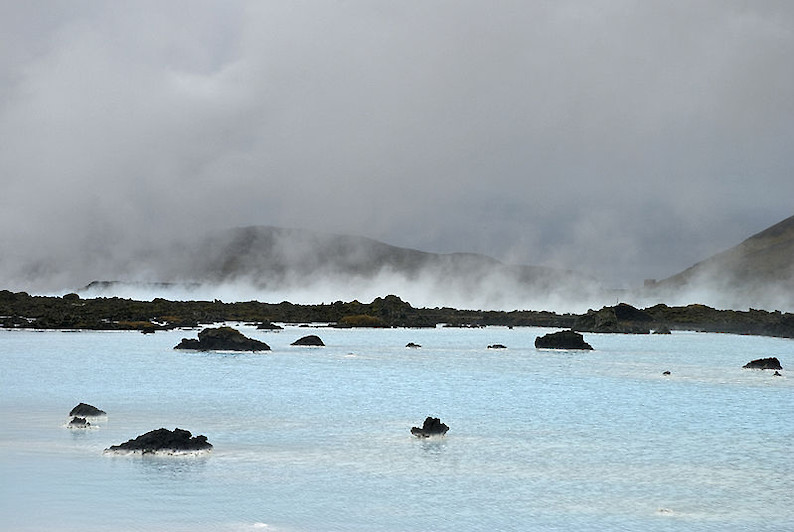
{"points": [[311, 339], [763, 363], [222, 339], [431, 427], [79, 423], [164, 441], [562, 340], [86, 410], [622, 318]]}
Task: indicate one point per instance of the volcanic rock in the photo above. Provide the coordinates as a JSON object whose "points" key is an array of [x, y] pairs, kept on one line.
{"points": [[79, 423], [311, 339], [622, 318], [431, 427], [562, 340], [763, 363], [222, 339], [269, 326], [86, 410], [165, 441]]}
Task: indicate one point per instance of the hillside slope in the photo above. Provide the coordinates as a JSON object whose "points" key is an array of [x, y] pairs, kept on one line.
{"points": [[302, 265], [759, 272]]}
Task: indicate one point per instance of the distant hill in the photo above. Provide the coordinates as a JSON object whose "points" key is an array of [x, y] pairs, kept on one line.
{"points": [[758, 273], [273, 261]]}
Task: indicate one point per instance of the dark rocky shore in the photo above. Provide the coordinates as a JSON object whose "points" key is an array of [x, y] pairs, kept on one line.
{"points": [[21, 310]]}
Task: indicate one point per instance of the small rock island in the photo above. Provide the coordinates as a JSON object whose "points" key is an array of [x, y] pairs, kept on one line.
{"points": [[222, 339], [86, 410], [431, 427], [163, 441], [562, 340], [78, 423], [311, 339], [764, 363]]}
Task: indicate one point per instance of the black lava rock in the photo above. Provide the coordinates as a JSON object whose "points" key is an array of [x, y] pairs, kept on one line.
{"points": [[312, 339], [764, 363], [164, 440], [431, 427], [79, 423], [222, 339], [86, 410], [562, 340]]}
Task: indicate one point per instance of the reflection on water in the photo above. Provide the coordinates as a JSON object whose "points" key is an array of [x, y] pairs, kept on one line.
{"points": [[175, 467], [433, 445]]}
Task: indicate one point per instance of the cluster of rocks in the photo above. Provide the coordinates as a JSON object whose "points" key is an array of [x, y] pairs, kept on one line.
{"points": [[156, 441], [81, 413], [230, 339]]}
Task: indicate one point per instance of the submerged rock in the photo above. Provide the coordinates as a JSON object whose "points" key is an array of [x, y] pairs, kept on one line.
{"points": [[431, 427], [497, 346], [222, 339], [86, 410], [413, 345], [764, 363], [562, 340], [79, 423], [311, 339], [164, 441]]}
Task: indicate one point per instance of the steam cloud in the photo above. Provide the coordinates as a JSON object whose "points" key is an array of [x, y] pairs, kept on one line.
{"points": [[624, 140]]}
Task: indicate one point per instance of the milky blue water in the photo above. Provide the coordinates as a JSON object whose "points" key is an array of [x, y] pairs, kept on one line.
{"points": [[318, 438]]}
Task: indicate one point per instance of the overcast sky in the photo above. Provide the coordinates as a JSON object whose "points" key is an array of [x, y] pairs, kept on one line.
{"points": [[625, 139]]}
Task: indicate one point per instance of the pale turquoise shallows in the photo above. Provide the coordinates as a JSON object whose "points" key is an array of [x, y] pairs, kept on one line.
{"points": [[316, 439]]}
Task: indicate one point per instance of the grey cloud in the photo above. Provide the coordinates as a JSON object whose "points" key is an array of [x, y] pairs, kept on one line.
{"points": [[623, 139]]}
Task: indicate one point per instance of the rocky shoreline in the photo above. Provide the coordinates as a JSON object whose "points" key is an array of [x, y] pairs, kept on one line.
{"points": [[20, 310]]}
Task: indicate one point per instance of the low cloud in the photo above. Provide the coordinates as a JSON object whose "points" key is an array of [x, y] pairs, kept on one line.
{"points": [[623, 140]]}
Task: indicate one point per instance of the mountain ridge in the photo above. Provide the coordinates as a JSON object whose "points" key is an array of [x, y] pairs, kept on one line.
{"points": [[759, 271]]}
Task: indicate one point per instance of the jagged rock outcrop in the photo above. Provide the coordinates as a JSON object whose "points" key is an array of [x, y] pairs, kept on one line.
{"points": [[222, 339], [764, 363], [412, 345], [497, 346], [562, 340], [86, 410], [431, 427], [311, 339], [622, 318], [164, 441]]}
